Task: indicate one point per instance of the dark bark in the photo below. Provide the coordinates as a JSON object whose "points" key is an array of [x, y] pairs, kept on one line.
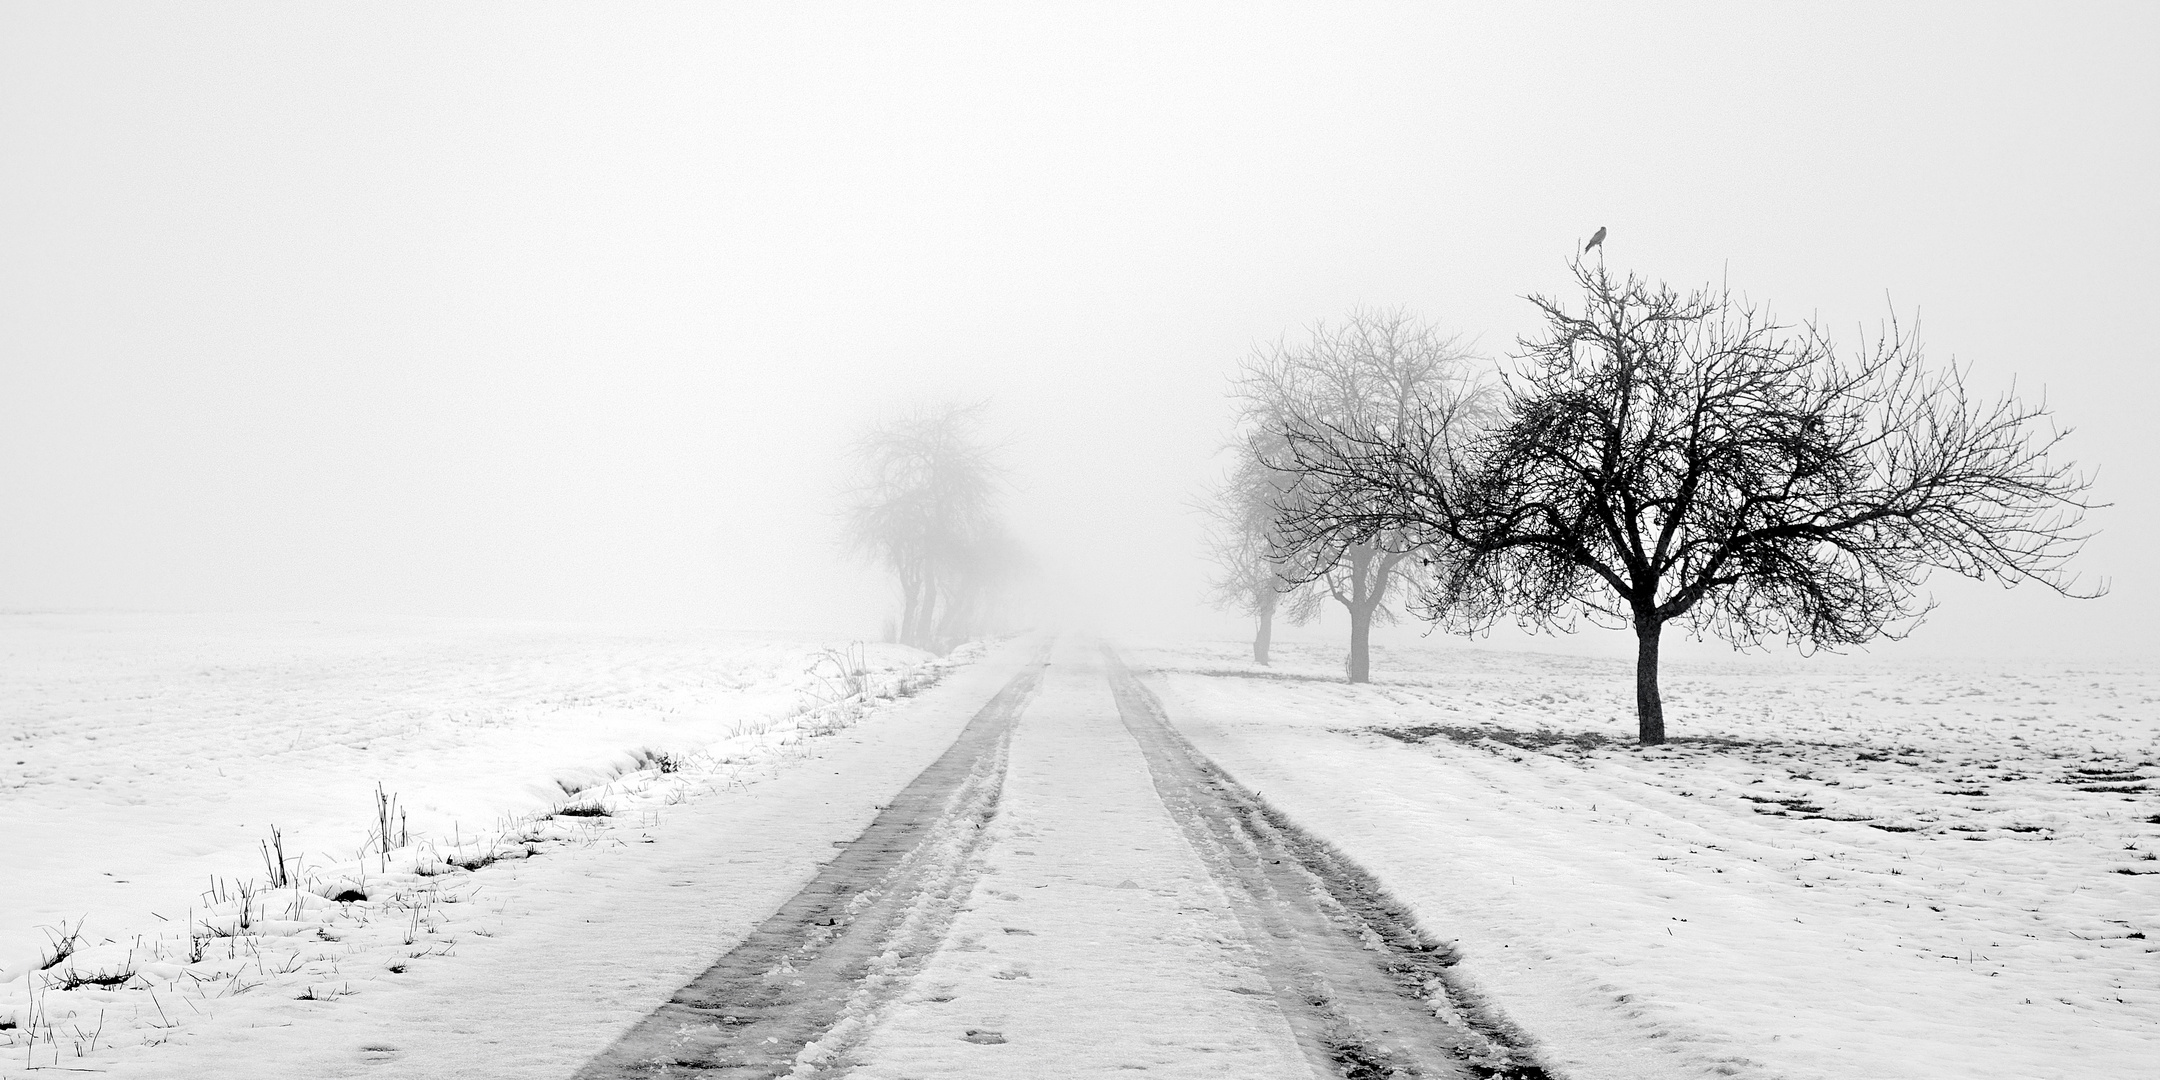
{"points": [[1366, 573], [919, 625], [1360, 637], [1649, 707], [1660, 456]]}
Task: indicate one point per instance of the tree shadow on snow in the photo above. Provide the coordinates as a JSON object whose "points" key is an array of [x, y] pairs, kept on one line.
{"points": [[1549, 738], [1279, 676]]}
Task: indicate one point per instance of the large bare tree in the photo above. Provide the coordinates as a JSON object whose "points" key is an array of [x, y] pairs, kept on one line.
{"points": [[924, 504], [1374, 374], [1686, 459]]}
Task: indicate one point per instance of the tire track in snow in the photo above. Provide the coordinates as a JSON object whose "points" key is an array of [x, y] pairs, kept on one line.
{"points": [[817, 966], [1368, 993]]}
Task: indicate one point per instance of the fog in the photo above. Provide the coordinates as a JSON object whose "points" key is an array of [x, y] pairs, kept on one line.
{"points": [[572, 311]]}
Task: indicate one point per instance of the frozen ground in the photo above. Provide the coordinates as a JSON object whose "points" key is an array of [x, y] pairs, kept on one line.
{"points": [[1095, 943], [1839, 869], [147, 757]]}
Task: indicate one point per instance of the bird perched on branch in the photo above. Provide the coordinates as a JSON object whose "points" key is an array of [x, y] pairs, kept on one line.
{"points": [[1596, 238]]}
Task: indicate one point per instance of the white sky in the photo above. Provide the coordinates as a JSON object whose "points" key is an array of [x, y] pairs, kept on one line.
{"points": [[569, 311]]}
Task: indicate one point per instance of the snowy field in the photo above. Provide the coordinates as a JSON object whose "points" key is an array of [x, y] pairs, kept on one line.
{"points": [[1839, 867], [147, 759]]}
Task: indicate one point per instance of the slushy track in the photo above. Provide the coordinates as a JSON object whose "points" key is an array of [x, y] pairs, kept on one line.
{"points": [[1368, 993], [822, 958]]}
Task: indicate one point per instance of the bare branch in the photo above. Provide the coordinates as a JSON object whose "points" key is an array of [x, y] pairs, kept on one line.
{"points": [[1660, 457], [924, 505], [1313, 415]]}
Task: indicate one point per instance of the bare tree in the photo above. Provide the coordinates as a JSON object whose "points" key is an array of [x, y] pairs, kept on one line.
{"points": [[1375, 374], [979, 596], [1667, 458], [924, 505], [1241, 542]]}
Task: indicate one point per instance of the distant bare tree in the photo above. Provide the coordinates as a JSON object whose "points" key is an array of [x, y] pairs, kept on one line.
{"points": [[978, 597], [1667, 458], [1374, 374], [924, 505], [1242, 543]]}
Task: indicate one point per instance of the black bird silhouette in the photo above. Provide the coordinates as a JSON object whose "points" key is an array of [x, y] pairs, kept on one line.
{"points": [[1596, 238]]}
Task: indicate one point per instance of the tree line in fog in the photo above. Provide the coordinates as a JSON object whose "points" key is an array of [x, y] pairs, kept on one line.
{"points": [[1649, 459]]}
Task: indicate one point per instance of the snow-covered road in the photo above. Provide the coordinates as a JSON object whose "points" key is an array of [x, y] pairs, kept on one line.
{"points": [[1090, 899], [1922, 873], [1096, 942], [1839, 869]]}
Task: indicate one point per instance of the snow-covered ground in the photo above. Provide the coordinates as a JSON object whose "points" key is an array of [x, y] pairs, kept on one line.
{"points": [[1096, 943], [146, 759], [1839, 867]]}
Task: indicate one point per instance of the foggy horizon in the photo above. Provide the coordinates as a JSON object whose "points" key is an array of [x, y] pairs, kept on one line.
{"points": [[600, 541], [573, 313]]}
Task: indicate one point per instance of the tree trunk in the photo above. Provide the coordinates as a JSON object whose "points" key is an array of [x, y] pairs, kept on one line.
{"points": [[921, 628], [934, 601], [910, 610], [1264, 633], [1649, 708], [1360, 637]]}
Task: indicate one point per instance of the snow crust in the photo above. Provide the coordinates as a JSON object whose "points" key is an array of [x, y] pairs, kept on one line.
{"points": [[147, 756], [1839, 868], [1095, 943]]}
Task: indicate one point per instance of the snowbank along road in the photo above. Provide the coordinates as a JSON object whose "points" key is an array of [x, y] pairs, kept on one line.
{"points": [[1072, 890]]}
